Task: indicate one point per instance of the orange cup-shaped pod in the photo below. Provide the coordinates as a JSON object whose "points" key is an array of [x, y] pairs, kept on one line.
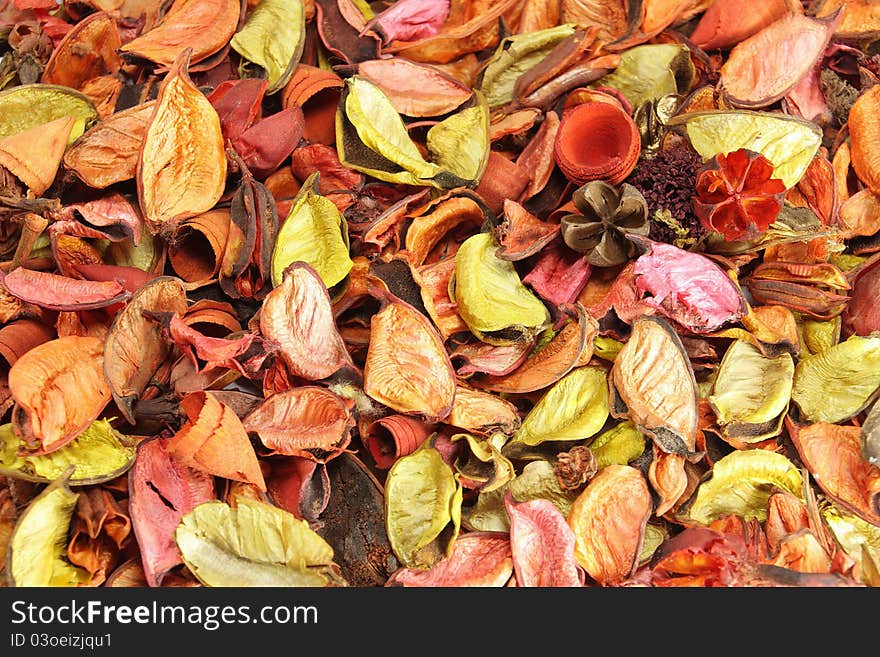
{"points": [[595, 141], [394, 436]]}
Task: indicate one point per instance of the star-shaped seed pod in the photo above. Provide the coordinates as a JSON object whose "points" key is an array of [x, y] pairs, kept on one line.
{"points": [[606, 214]]}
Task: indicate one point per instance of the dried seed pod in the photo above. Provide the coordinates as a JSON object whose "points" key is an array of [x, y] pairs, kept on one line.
{"points": [[609, 550], [297, 314], [197, 244], [307, 421], [108, 152], [135, 349], [741, 483], [88, 51], [37, 545], [204, 27], [182, 164], [597, 141], [653, 377], [838, 383], [33, 155], [476, 559], [751, 392], [407, 367], [60, 385]]}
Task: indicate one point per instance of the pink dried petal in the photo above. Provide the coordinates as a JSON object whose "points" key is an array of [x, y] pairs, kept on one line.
{"points": [[542, 544]]}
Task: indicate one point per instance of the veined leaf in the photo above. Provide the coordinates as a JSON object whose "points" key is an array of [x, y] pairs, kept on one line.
{"points": [[98, 454], [314, 232], [254, 544], [575, 408], [39, 541], [273, 37], [422, 499]]}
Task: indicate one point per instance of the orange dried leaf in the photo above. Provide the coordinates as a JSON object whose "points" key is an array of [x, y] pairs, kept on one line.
{"points": [[570, 347], [407, 367], [863, 134], [87, 52], [307, 421], [205, 26], [108, 152], [34, 155], [214, 440], [182, 164], [609, 519], [833, 455], [60, 385]]}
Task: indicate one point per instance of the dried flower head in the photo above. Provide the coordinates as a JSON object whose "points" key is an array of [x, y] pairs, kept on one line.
{"points": [[737, 195], [605, 214]]}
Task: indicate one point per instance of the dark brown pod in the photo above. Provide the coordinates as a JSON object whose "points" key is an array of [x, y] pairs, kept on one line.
{"points": [[597, 141]]}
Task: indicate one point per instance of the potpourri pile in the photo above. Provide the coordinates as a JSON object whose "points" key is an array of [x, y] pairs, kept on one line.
{"points": [[440, 293]]}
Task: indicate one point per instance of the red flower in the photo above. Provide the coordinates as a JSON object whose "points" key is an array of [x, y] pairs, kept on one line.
{"points": [[737, 195]]}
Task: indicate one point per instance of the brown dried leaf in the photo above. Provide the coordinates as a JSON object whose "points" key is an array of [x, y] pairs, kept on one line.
{"points": [[135, 348]]}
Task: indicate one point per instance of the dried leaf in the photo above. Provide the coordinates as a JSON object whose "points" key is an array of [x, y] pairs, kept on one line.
{"points": [[741, 483], [214, 440], [836, 384], [254, 544], [315, 233], [477, 559], [37, 550], [204, 27], [161, 491], [27, 106], [655, 380], [273, 37], [543, 545], [422, 508], [491, 298], [306, 421], [60, 385], [415, 89], [134, 348], [407, 367], [297, 314], [609, 551], [573, 408], [98, 454], [182, 165]]}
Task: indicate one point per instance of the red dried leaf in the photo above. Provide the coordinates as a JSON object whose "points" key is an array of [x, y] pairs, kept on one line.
{"points": [[299, 485], [161, 491], [267, 143]]}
